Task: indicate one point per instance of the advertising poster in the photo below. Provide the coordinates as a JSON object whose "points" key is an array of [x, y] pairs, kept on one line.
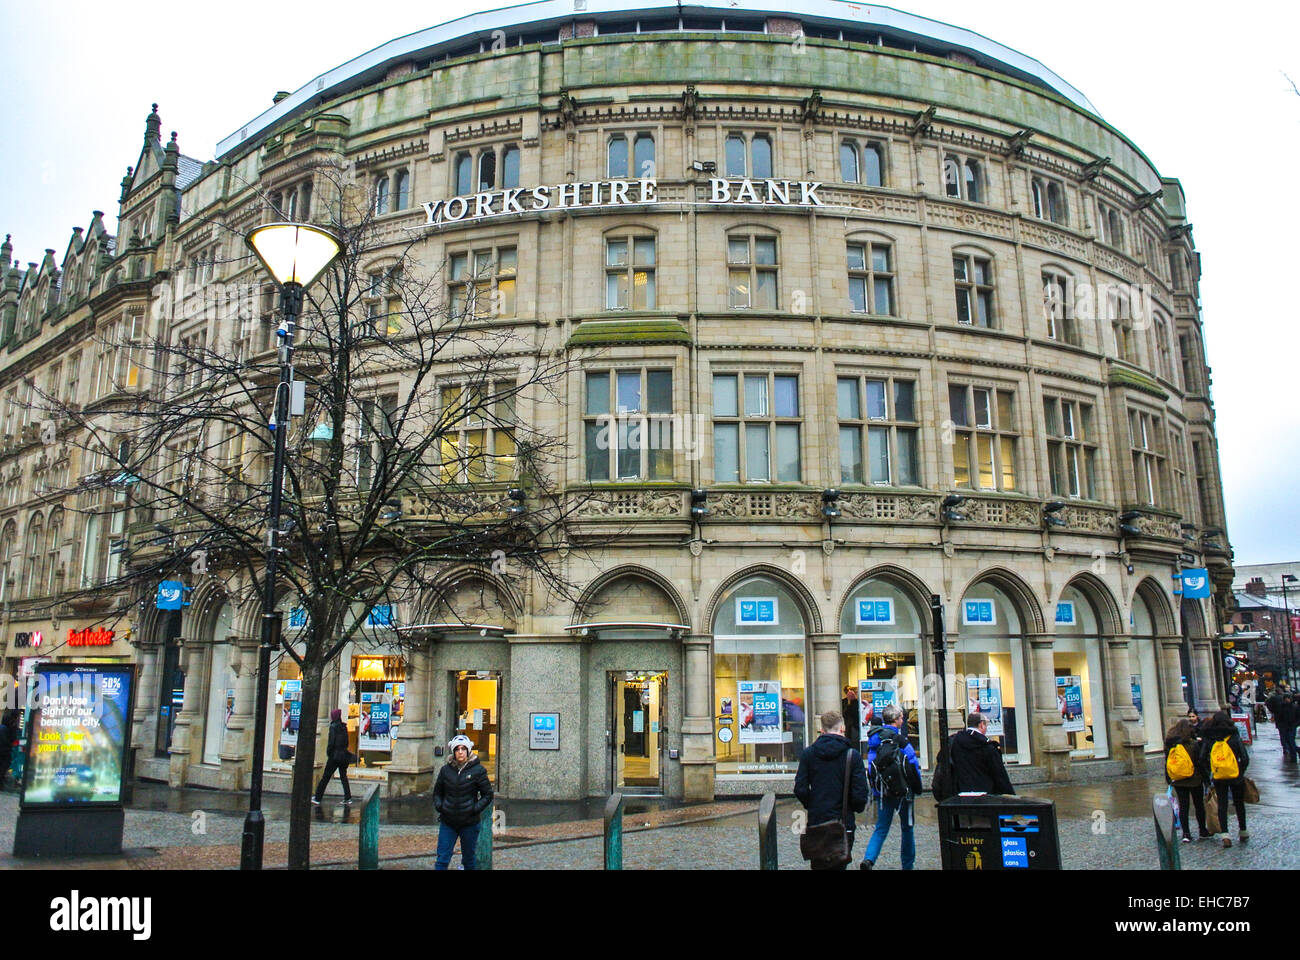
{"points": [[1069, 699], [230, 706], [754, 611], [1135, 684], [290, 712], [759, 703], [375, 723], [78, 735], [984, 696], [873, 697]]}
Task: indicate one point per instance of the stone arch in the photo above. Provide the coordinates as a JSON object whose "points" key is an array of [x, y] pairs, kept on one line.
{"points": [[1109, 616], [812, 613], [1027, 605], [205, 604], [1162, 611], [452, 581], [630, 571], [911, 585]]}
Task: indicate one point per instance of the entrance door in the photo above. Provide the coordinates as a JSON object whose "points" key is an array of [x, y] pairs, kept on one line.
{"points": [[478, 714], [636, 700]]}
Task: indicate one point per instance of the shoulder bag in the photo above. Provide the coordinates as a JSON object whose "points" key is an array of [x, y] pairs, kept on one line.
{"points": [[828, 842]]}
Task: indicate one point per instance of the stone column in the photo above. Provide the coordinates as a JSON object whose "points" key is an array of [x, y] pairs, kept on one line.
{"points": [[825, 676], [189, 721], [412, 768], [1173, 705], [144, 722], [1209, 681], [237, 741], [1050, 745], [1124, 724], [698, 756]]}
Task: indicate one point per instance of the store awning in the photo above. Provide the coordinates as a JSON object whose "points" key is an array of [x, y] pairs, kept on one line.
{"points": [[435, 629], [585, 629]]}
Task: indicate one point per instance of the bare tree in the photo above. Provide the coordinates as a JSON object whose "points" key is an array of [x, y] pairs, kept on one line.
{"points": [[411, 456]]}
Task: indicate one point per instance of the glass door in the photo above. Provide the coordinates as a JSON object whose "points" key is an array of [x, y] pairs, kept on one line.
{"points": [[478, 714], [636, 706]]}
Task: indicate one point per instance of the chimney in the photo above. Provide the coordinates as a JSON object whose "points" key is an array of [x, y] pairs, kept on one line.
{"points": [[1256, 587]]}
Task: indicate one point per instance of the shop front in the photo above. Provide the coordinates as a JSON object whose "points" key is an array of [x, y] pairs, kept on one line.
{"points": [[1077, 671], [882, 659], [1145, 683], [989, 662]]}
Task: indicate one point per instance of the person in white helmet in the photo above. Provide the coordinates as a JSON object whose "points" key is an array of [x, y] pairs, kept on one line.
{"points": [[460, 795]]}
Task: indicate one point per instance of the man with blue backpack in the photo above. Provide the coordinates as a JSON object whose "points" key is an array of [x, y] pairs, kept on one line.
{"points": [[894, 772]]}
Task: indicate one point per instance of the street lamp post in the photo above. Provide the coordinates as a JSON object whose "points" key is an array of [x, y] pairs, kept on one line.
{"points": [[940, 658], [294, 254]]}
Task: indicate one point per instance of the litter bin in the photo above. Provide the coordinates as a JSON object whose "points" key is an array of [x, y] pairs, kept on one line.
{"points": [[993, 832]]}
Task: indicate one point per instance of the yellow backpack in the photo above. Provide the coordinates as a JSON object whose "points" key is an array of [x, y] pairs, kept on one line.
{"points": [[1223, 762], [1178, 765]]}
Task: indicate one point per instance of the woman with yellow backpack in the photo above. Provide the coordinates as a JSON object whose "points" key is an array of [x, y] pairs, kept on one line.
{"points": [[1183, 756], [1226, 760]]}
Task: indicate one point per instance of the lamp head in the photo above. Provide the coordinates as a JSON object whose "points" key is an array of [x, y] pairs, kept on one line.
{"points": [[294, 253]]}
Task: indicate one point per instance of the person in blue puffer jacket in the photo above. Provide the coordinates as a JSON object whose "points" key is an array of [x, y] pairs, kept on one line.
{"points": [[895, 776]]}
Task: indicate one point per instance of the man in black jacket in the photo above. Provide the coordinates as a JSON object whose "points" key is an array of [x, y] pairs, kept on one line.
{"points": [[819, 784], [1282, 705], [460, 795], [337, 757], [977, 761], [852, 716]]}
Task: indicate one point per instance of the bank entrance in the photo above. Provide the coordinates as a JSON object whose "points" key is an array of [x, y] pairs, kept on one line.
{"points": [[636, 705]]}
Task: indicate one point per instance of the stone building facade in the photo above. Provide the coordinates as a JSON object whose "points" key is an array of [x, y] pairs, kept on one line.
{"points": [[827, 274]]}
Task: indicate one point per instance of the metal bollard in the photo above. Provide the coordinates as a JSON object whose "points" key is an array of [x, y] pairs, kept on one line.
{"points": [[1162, 811], [614, 832], [767, 857], [368, 841], [483, 848]]}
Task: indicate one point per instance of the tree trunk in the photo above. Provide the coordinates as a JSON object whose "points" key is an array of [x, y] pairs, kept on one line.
{"points": [[304, 760]]}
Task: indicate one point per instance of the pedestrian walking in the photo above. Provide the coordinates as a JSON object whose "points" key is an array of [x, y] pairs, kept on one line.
{"points": [[852, 716], [8, 741], [820, 785], [337, 757], [1227, 760], [895, 777], [460, 795], [976, 760], [1184, 760], [1282, 705]]}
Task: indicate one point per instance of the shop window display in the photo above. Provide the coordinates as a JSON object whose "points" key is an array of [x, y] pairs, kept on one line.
{"points": [[1144, 682], [1076, 663], [759, 681], [478, 714], [989, 668]]}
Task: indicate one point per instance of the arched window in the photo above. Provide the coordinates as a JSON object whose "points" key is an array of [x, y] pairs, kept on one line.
{"points": [[33, 556], [54, 542], [873, 168], [643, 156], [8, 544], [974, 190], [1145, 683], [760, 149], [616, 153], [381, 195], [849, 162], [1056, 211], [510, 167], [752, 270], [951, 177], [1076, 662], [464, 174], [401, 190], [487, 170], [1036, 189], [992, 659]]}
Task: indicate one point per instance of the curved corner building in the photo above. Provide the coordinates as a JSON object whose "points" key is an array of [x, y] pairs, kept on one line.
{"points": [[897, 318]]}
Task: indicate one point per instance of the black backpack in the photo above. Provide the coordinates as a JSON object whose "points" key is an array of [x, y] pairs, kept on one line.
{"points": [[890, 765], [942, 786]]}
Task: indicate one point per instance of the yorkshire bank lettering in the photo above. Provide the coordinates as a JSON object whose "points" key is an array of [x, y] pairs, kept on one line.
{"points": [[615, 193]]}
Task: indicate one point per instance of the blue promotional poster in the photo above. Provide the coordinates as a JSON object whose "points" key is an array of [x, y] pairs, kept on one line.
{"points": [[1135, 684], [78, 734], [290, 713], [873, 697], [1069, 700], [756, 610], [759, 704], [984, 696], [375, 723]]}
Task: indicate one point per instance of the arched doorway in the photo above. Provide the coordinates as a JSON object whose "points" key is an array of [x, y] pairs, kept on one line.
{"points": [[882, 657], [760, 680], [989, 661], [1077, 668], [1144, 658]]}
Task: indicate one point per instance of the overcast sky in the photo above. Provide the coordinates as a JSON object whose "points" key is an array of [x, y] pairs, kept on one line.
{"points": [[1202, 95]]}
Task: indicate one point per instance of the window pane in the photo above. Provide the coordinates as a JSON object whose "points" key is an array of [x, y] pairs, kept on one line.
{"points": [[973, 181], [644, 160], [764, 251], [963, 305], [951, 177], [959, 268], [884, 298], [474, 453], [644, 252], [1067, 419], [464, 174], [856, 256], [659, 389], [738, 288], [1072, 470], [661, 449], [765, 294], [1050, 418], [878, 439], [850, 454], [616, 291], [735, 156], [756, 451], [846, 398], [507, 261], [1005, 419], [487, 170], [787, 452], [787, 396], [756, 396], [957, 406], [643, 288], [761, 151], [724, 395], [982, 272], [985, 308], [986, 461], [726, 452], [848, 161], [872, 167], [904, 405], [616, 253], [1053, 467], [1008, 463], [510, 167], [961, 461], [858, 294], [738, 250], [876, 409], [908, 472], [982, 412], [459, 266], [629, 391], [880, 259], [629, 449], [617, 156], [1090, 461], [505, 454]]}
